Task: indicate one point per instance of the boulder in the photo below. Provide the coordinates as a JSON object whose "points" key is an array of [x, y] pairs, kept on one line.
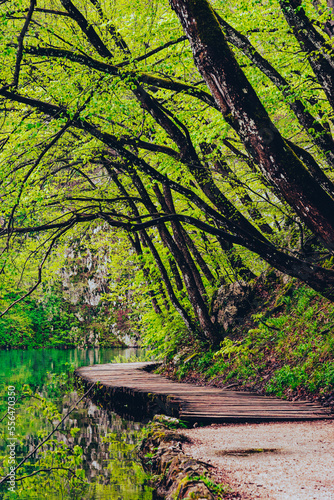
{"points": [[232, 303]]}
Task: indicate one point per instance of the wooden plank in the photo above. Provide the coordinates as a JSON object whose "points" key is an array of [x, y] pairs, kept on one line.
{"points": [[130, 381]]}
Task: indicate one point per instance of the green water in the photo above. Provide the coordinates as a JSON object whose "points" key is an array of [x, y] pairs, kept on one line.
{"points": [[91, 456]]}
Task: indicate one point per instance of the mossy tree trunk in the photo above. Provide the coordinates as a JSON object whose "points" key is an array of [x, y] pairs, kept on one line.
{"points": [[241, 106]]}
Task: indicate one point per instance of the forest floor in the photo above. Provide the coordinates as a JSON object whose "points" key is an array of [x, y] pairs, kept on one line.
{"points": [[269, 461]]}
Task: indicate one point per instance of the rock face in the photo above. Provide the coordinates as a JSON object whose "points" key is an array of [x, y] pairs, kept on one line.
{"points": [[232, 303], [84, 277], [176, 475], [84, 281]]}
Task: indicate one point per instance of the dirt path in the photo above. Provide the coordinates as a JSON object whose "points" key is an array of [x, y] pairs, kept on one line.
{"points": [[297, 462]]}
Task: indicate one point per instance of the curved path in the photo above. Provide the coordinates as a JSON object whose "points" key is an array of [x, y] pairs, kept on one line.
{"points": [[142, 392], [269, 461]]}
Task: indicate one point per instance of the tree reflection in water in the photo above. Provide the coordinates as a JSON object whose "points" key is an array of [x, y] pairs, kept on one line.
{"points": [[109, 446], [92, 456]]}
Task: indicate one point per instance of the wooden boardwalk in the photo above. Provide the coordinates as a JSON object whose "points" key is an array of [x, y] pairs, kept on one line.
{"points": [[139, 391]]}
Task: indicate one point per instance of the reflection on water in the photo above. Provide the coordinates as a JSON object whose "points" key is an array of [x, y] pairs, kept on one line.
{"points": [[109, 454], [32, 366], [105, 441]]}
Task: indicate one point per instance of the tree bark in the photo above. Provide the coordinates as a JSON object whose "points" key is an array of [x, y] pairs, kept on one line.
{"points": [[167, 205]]}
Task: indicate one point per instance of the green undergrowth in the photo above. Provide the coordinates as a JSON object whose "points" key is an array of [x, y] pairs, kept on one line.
{"points": [[51, 321], [218, 490], [138, 356], [284, 347]]}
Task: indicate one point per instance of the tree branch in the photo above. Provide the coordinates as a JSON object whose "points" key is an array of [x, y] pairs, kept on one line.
{"points": [[146, 78], [321, 137], [45, 470], [129, 160], [39, 280], [118, 39], [31, 170], [87, 28], [20, 44], [152, 52]]}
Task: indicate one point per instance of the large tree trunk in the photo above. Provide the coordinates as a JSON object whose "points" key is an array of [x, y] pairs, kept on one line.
{"points": [[240, 104]]}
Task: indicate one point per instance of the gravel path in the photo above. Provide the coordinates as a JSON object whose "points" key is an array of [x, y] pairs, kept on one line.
{"points": [[297, 462]]}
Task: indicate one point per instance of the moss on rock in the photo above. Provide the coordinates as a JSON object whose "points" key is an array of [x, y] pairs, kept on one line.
{"points": [[174, 474]]}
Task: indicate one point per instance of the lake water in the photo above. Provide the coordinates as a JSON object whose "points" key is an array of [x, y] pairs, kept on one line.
{"points": [[92, 456]]}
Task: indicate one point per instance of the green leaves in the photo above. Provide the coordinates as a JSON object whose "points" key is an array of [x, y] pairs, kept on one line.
{"points": [[64, 185]]}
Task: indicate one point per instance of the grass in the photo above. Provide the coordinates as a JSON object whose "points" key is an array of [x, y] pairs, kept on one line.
{"points": [[218, 490]]}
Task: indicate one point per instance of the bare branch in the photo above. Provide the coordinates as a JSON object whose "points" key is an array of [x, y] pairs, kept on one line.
{"points": [[152, 52]]}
